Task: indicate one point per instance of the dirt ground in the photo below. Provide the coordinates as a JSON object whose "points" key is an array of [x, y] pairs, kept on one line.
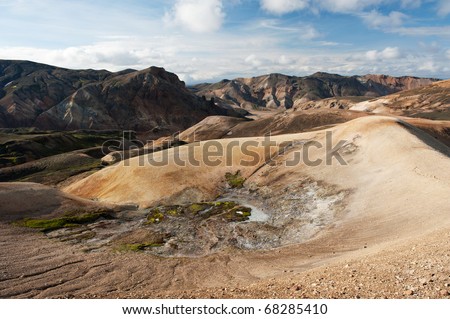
{"points": [[33, 266]]}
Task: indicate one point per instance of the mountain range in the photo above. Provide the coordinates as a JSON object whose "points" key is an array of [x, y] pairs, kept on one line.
{"points": [[283, 91], [156, 101]]}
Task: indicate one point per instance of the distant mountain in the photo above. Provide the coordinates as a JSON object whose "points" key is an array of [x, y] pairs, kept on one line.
{"points": [[52, 98], [431, 101], [282, 91]]}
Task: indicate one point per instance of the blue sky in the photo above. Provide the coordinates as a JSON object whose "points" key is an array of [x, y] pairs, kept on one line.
{"points": [[208, 40]]}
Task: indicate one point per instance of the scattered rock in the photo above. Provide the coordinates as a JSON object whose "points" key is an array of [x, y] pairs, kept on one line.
{"points": [[408, 293], [444, 293], [423, 281]]}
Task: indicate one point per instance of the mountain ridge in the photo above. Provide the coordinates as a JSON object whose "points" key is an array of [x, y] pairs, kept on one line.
{"points": [[53, 98], [154, 100], [277, 90]]}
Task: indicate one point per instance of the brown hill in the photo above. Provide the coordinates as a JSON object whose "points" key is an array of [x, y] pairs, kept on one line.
{"points": [[292, 121], [360, 134], [141, 101], [48, 97], [431, 101], [278, 90], [28, 89], [215, 127]]}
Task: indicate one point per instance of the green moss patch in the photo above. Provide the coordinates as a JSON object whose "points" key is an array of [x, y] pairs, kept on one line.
{"points": [[232, 211], [69, 220], [197, 207], [235, 180], [223, 205], [160, 213], [156, 216], [238, 214]]}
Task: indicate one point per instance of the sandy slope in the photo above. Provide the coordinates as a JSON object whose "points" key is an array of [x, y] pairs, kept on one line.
{"points": [[398, 178]]}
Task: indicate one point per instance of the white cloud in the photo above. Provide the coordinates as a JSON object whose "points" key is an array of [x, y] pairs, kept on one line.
{"points": [[372, 55], [376, 20], [253, 61], [280, 7], [113, 56], [428, 66], [443, 8], [423, 31], [299, 31], [328, 43], [388, 53], [345, 6], [275, 24], [448, 54], [432, 48], [284, 60], [199, 16], [411, 4], [283, 6], [391, 53], [308, 32]]}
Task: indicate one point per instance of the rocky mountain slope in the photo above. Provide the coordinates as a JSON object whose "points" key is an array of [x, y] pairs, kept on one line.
{"points": [[432, 101], [28, 89], [282, 91], [48, 97]]}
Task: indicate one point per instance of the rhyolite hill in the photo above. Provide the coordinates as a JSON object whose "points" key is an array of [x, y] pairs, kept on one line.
{"points": [[52, 98], [283, 91]]}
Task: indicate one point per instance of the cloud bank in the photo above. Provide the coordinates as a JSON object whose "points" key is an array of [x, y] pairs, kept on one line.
{"points": [[283, 6]]}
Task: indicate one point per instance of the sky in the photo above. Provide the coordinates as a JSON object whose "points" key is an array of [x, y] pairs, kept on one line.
{"points": [[210, 40]]}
